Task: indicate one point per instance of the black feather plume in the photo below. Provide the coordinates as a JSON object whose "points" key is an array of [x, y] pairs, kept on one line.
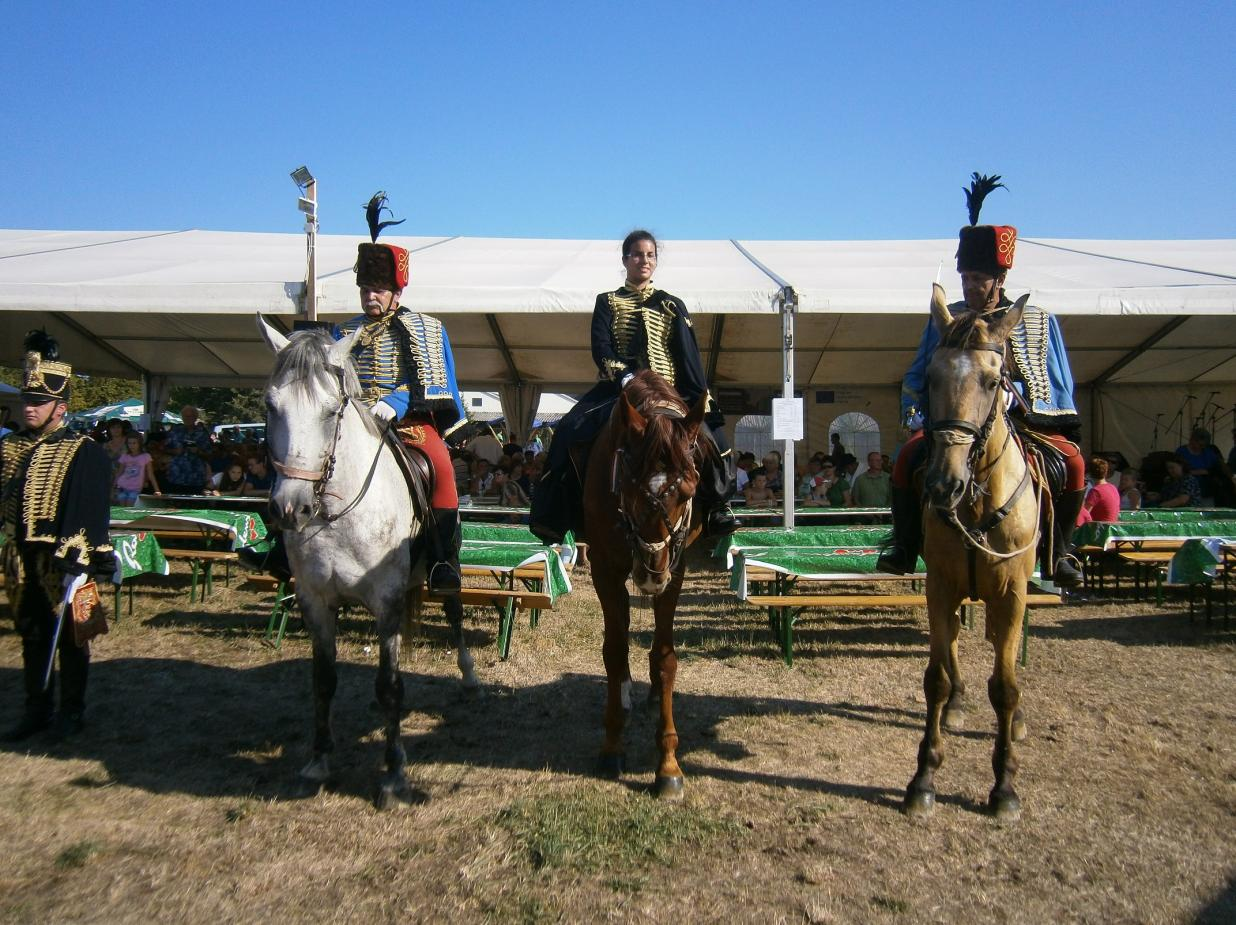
{"points": [[373, 214], [980, 186], [42, 343]]}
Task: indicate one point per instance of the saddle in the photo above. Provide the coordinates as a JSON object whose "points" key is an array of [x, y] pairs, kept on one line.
{"points": [[417, 471]]}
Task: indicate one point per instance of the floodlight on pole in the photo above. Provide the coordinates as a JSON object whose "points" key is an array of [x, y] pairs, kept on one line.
{"points": [[308, 204]]}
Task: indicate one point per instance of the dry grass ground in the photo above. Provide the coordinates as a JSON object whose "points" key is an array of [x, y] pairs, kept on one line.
{"points": [[178, 804]]}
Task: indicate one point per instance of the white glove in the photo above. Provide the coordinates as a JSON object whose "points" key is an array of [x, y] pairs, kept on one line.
{"points": [[72, 583], [625, 379], [383, 412]]}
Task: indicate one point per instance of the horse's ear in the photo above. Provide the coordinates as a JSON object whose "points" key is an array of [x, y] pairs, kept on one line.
{"points": [[342, 349], [999, 331], [696, 417], [939, 309], [275, 339], [635, 420]]}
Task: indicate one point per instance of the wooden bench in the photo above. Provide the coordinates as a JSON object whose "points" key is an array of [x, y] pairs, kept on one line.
{"points": [[507, 602], [1145, 562], [203, 561], [783, 610]]}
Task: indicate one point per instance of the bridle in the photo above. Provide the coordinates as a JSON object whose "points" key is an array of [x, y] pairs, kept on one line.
{"points": [[958, 431], [322, 475], [676, 531]]}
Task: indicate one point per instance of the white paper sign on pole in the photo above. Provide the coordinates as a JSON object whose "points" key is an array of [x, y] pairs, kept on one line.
{"points": [[787, 415]]}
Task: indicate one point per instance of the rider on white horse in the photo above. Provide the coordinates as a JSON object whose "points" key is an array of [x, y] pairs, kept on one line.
{"points": [[405, 366]]}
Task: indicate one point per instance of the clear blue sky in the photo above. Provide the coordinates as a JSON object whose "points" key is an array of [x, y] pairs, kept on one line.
{"points": [[584, 119]]}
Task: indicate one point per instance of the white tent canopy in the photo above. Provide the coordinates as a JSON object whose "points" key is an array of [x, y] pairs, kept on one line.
{"points": [[177, 307]]}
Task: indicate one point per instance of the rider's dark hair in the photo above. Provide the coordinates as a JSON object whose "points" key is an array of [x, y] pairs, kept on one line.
{"points": [[639, 234]]}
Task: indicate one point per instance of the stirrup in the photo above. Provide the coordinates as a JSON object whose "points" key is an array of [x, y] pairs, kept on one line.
{"points": [[444, 579], [721, 521], [1066, 574], [893, 561]]}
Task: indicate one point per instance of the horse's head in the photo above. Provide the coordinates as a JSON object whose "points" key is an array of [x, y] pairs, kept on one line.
{"points": [[654, 478], [964, 395], [305, 400]]}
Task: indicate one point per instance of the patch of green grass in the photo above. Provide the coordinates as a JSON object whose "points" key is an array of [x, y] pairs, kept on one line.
{"points": [[77, 855], [890, 904], [591, 830]]}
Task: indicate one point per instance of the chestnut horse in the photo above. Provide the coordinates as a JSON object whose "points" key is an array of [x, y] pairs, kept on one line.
{"points": [[638, 519], [981, 530]]}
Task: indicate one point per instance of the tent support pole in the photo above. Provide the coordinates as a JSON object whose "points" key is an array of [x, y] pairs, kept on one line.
{"points": [[788, 300]]}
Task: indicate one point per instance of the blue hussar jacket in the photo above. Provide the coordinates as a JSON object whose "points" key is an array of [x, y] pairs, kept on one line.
{"points": [[404, 359], [1040, 369]]}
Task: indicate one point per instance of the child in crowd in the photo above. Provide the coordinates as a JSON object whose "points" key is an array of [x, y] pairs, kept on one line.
{"points": [[757, 492], [1130, 494], [230, 481], [133, 470]]}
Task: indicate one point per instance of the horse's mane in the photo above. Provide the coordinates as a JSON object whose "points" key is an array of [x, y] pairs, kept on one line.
{"points": [[664, 446], [303, 363], [968, 330]]}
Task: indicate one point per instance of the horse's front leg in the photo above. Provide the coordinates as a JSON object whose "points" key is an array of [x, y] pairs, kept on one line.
{"points": [[1003, 627], [320, 622], [616, 605], [393, 785], [463, 658], [954, 718], [663, 662], [945, 624]]}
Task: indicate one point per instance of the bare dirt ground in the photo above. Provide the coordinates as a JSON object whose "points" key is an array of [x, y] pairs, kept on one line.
{"points": [[178, 802]]}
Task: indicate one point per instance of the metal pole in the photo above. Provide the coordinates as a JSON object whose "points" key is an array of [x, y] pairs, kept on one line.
{"points": [[311, 235], [789, 305]]}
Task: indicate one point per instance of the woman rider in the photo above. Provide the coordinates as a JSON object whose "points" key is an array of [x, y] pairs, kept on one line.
{"points": [[634, 328]]}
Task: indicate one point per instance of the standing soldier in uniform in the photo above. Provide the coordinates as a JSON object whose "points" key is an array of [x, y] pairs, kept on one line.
{"points": [[636, 327], [55, 489], [1042, 404]]}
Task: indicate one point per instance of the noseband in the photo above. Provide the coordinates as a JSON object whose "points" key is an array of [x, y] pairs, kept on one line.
{"points": [[676, 532], [320, 476]]}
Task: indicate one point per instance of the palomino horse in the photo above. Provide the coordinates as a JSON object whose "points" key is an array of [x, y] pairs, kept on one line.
{"points": [[352, 528], [981, 530], [638, 520]]}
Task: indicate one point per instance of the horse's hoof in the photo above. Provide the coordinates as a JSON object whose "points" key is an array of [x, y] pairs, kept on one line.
{"points": [[611, 765], [306, 788], [954, 720], [1005, 807], [919, 803], [392, 792], [668, 787]]}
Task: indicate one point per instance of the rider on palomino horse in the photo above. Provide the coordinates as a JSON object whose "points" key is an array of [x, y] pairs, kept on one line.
{"points": [[1042, 401], [634, 328], [406, 369]]}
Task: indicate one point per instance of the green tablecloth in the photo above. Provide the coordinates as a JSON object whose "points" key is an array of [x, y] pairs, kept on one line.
{"points": [[814, 553], [504, 548], [138, 553], [1105, 536], [1196, 561], [244, 528], [1177, 515]]}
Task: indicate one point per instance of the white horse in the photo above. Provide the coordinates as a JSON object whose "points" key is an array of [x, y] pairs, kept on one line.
{"points": [[352, 529]]}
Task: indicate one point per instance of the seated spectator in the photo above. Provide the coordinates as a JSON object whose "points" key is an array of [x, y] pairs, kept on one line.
{"points": [[188, 473], [482, 478], [757, 493], [461, 463], [874, 488], [510, 492], [258, 476], [1130, 493], [1200, 458], [742, 474], [810, 479], [230, 482], [135, 469], [519, 476], [772, 471], [1180, 489], [1102, 502], [831, 491]]}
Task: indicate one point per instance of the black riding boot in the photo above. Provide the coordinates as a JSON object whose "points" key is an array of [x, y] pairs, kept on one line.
{"points": [[274, 563], [1068, 506], [901, 556], [444, 540], [714, 491]]}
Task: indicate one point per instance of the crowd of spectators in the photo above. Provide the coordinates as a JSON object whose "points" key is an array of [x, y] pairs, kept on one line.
{"points": [[185, 459], [822, 480], [489, 470]]}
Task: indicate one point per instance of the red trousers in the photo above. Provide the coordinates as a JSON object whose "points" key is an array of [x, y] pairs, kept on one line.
{"points": [[421, 433], [1074, 466]]}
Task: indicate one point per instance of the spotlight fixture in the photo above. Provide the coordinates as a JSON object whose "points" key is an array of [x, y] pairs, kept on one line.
{"points": [[302, 177]]}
